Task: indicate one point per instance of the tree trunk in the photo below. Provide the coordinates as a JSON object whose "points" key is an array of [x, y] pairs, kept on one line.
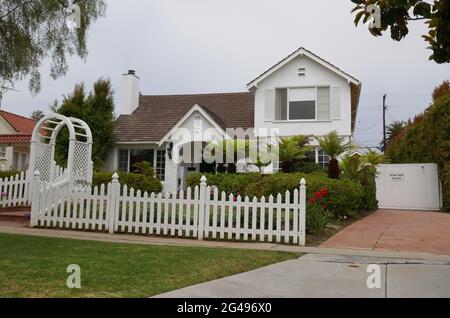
{"points": [[333, 169]]}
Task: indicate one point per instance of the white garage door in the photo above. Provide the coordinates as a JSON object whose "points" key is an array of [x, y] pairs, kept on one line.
{"points": [[408, 186]]}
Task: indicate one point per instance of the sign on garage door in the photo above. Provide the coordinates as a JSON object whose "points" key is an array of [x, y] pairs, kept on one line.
{"points": [[408, 186]]}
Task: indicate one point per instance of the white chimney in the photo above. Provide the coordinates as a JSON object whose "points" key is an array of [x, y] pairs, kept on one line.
{"points": [[130, 93]]}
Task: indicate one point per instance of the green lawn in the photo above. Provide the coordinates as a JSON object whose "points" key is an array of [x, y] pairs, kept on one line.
{"points": [[36, 267]]}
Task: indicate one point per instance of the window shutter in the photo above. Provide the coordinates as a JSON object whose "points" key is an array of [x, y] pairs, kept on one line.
{"points": [[323, 103], [269, 104], [335, 103]]}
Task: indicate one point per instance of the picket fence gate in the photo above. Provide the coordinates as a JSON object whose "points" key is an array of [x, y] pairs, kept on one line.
{"points": [[195, 213]]}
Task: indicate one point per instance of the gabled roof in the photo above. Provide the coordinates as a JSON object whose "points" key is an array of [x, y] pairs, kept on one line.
{"points": [[208, 115], [20, 124], [355, 84], [299, 52], [157, 114]]}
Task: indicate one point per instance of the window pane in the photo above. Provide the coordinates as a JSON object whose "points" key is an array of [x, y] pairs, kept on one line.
{"points": [[302, 110], [281, 104], [323, 103], [139, 155], [323, 158], [161, 164], [123, 160]]}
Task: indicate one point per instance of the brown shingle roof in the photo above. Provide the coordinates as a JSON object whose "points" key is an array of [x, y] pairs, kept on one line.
{"points": [[157, 114]]}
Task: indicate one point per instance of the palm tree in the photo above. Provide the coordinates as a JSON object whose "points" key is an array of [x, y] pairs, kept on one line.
{"points": [[37, 115], [292, 150], [393, 130], [333, 145]]}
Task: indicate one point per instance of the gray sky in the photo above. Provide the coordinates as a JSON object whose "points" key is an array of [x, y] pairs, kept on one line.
{"points": [[202, 46]]}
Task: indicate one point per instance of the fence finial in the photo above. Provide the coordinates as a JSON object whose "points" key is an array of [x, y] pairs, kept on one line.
{"points": [[303, 182], [36, 174], [203, 180], [115, 177]]}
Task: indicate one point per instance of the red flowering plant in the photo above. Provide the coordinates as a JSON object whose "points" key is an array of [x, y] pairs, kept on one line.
{"points": [[317, 217]]}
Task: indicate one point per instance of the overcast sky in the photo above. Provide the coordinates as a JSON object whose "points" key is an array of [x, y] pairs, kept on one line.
{"points": [[202, 46]]}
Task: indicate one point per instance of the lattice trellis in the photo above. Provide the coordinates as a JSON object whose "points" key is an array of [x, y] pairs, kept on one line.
{"points": [[81, 162], [79, 165], [44, 160]]}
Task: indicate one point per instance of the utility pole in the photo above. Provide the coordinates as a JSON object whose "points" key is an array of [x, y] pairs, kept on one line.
{"points": [[384, 122]]}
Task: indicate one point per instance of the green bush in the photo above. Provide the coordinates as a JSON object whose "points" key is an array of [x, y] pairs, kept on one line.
{"points": [[132, 180], [8, 173], [425, 140], [345, 196], [309, 167], [369, 200]]}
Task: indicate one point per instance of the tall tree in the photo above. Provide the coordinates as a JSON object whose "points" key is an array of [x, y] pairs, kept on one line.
{"points": [[33, 30], [97, 110], [393, 130], [333, 145], [37, 115], [396, 15]]}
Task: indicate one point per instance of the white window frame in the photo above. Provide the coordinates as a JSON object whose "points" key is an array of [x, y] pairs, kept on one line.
{"points": [[288, 108], [155, 151], [3, 153]]}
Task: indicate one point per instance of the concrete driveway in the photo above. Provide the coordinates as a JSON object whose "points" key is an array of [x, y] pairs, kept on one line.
{"points": [[322, 275], [397, 230]]}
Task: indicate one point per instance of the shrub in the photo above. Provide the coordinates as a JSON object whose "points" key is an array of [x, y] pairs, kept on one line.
{"points": [[426, 139], [132, 180], [309, 167], [345, 196], [8, 173]]}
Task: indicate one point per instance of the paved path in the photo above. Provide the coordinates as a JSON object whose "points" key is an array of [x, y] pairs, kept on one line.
{"points": [[318, 275], [397, 230]]}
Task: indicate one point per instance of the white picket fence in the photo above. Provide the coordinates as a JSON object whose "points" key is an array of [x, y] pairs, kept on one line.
{"points": [[15, 191], [200, 212]]}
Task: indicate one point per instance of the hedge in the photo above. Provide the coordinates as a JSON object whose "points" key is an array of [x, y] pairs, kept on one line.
{"points": [[8, 173], [132, 180], [345, 196], [425, 140]]}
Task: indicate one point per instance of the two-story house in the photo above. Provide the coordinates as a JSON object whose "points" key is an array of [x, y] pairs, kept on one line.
{"points": [[302, 94]]}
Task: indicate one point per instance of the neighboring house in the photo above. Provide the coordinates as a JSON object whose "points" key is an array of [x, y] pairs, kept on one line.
{"points": [[15, 136], [302, 94]]}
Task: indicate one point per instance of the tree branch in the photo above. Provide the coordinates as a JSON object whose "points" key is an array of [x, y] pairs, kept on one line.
{"points": [[15, 8]]}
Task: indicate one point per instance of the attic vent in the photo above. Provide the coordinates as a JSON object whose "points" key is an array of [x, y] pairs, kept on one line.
{"points": [[302, 71]]}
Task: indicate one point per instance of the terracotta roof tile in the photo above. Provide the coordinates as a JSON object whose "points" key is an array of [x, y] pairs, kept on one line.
{"points": [[15, 139], [20, 124], [157, 114]]}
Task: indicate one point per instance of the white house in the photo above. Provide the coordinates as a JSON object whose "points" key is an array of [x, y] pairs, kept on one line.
{"points": [[301, 94]]}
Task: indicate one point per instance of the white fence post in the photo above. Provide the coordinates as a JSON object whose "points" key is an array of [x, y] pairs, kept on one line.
{"points": [[302, 222], [201, 210], [36, 185], [113, 200]]}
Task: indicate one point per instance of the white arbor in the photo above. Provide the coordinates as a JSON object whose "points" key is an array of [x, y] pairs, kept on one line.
{"points": [[42, 157]]}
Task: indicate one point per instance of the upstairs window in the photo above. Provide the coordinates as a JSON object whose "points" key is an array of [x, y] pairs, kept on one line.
{"points": [[303, 103]]}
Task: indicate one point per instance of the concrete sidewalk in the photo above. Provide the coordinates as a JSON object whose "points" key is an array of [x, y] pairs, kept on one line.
{"points": [[152, 240], [318, 275]]}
